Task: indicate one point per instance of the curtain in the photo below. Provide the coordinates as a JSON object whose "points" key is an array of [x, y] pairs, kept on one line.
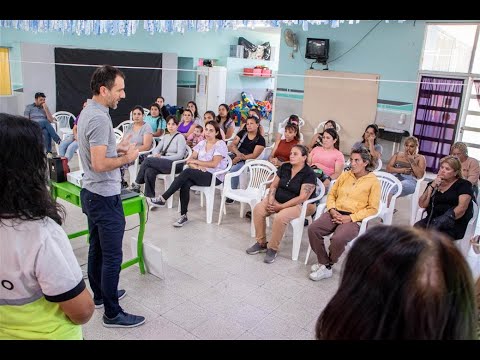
{"points": [[5, 81], [436, 118]]}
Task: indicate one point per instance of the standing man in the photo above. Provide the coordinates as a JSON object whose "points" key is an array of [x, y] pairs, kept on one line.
{"points": [[40, 113], [100, 196]]}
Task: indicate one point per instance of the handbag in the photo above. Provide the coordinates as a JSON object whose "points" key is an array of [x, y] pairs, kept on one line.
{"points": [[443, 222]]}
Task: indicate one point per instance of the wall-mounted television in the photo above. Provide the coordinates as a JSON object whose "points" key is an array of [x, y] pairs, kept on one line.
{"points": [[317, 49]]}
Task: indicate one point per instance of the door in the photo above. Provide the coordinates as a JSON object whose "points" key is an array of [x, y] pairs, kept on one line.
{"points": [[437, 116], [470, 130]]}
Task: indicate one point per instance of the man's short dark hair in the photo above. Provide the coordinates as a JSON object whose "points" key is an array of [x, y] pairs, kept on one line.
{"points": [[104, 76], [39, 94]]}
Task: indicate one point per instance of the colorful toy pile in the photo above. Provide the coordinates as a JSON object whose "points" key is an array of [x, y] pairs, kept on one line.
{"points": [[239, 109]]}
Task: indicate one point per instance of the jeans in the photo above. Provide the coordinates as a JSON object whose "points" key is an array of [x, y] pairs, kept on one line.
{"points": [[184, 181], [409, 182], [236, 179], [48, 134], [106, 225], [149, 170], [68, 147]]}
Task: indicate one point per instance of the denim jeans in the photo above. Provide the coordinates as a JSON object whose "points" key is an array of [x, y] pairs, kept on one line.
{"points": [[68, 147], [106, 225], [48, 134]]}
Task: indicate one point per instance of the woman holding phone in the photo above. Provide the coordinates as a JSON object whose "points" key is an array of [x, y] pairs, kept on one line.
{"points": [[407, 166]]}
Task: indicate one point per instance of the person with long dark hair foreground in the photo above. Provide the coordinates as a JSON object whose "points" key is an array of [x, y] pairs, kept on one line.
{"points": [[43, 295], [401, 284]]}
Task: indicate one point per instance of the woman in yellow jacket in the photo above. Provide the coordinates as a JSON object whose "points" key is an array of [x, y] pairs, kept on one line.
{"points": [[354, 196]]}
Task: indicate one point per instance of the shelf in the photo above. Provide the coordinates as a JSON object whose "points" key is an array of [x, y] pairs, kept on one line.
{"points": [[256, 76]]}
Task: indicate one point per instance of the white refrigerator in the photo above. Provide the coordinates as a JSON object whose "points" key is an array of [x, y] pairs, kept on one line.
{"points": [[210, 88]]}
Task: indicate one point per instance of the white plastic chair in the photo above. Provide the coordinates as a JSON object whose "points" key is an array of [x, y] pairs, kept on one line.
{"points": [[298, 223], [414, 199], [63, 123], [133, 169], [363, 228], [118, 135], [281, 126], [261, 173], [145, 113], [387, 183], [124, 126], [321, 126], [168, 178], [209, 191], [462, 244], [379, 165]]}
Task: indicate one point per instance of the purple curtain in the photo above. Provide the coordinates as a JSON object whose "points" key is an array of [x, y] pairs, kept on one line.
{"points": [[438, 111]]}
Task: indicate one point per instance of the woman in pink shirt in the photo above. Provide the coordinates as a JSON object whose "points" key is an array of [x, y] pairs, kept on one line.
{"points": [[326, 158]]}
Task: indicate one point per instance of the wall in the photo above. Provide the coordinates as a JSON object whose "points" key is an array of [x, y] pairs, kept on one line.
{"points": [[210, 45]]}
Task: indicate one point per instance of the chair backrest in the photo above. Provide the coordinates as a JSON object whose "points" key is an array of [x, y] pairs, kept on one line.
{"points": [[63, 118], [379, 165], [321, 127], [260, 172], [281, 126], [387, 183], [145, 113], [118, 135], [124, 126]]}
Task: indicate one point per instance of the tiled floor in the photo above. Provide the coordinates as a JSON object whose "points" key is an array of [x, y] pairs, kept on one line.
{"points": [[212, 289]]}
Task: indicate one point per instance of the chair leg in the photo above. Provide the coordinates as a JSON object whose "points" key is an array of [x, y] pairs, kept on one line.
{"points": [[170, 199], [201, 198], [242, 208], [308, 254], [209, 199], [297, 239], [222, 206]]}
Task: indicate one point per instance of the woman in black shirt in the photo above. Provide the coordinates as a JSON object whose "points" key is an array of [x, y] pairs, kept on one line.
{"points": [[448, 200], [293, 184]]}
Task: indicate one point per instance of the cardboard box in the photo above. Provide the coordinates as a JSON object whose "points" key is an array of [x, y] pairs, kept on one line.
{"points": [[252, 72]]}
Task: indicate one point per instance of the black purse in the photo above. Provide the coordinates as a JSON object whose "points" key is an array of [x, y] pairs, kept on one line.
{"points": [[445, 221]]}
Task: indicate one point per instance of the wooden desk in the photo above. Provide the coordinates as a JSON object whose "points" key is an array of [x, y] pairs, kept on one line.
{"points": [[136, 205]]}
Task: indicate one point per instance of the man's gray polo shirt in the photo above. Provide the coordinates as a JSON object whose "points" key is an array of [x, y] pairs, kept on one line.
{"points": [[34, 112], [95, 128]]}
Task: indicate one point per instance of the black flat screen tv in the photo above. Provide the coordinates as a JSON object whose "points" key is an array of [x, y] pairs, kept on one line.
{"points": [[317, 49]]}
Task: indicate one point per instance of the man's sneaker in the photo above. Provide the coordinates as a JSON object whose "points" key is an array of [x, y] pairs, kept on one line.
{"points": [[256, 248], [229, 201], [321, 273], [156, 202], [99, 303], [135, 187], [270, 257], [182, 220], [123, 320]]}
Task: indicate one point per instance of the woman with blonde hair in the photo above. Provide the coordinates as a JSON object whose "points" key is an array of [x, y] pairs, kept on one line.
{"points": [[447, 200], [470, 166]]}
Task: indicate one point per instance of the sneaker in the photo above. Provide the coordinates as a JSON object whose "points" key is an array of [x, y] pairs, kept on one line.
{"points": [[123, 320], [321, 273], [256, 248], [99, 303], [229, 201], [181, 221], [124, 185], [248, 214], [135, 187], [315, 267], [305, 222], [156, 202], [270, 257]]}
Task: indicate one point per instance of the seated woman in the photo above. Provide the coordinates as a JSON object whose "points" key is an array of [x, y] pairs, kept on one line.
{"points": [[317, 138], [293, 119], [447, 200], [282, 148], [171, 148], [248, 144], [354, 196], [210, 116], [43, 292], [225, 120], [327, 161], [470, 166], [293, 184], [192, 106], [208, 156], [400, 283], [156, 121], [140, 134], [69, 146], [255, 113], [187, 125], [160, 100], [369, 140], [407, 166]]}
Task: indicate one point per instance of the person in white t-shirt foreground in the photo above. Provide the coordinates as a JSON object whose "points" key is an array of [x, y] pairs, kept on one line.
{"points": [[42, 293]]}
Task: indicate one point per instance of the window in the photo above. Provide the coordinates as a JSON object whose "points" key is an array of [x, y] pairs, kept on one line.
{"points": [[5, 82], [449, 47]]}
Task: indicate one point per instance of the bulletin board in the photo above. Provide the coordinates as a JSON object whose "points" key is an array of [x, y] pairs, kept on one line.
{"points": [[348, 98]]}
